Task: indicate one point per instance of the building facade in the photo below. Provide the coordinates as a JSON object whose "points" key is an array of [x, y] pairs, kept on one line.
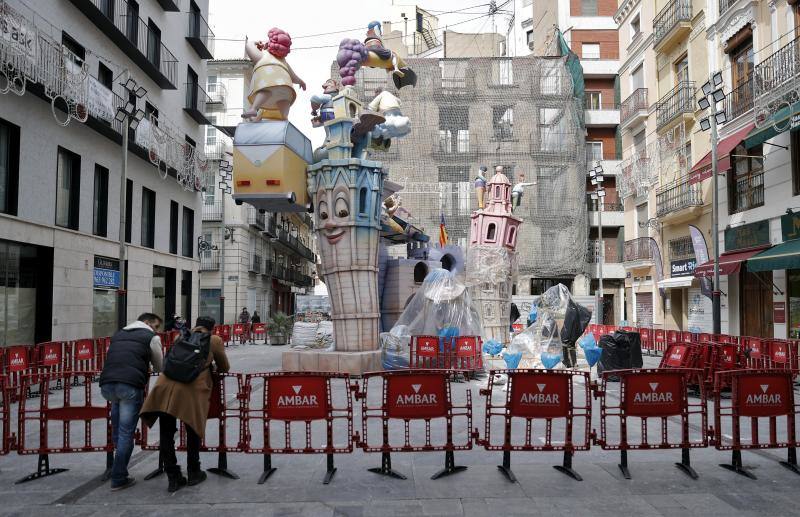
{"points": [[61, 163], [591, 33], [267, 257]]}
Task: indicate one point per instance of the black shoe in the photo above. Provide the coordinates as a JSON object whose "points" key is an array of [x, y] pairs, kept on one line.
{"points": [[176, 480], [129, 482], [197, 477]]}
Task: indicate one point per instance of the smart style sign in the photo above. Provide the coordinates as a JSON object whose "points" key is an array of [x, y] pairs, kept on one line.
{"points": [[416, 396], [653, 394], [536, 395], [764, 395], [297, 398], [427, 346]]}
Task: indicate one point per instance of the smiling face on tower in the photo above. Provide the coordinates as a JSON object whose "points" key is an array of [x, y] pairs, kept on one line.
{"points": [[334, 218]]}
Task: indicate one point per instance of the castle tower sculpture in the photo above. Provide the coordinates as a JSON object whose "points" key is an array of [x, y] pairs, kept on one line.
{"points": [[346, 194], [491, 263]]}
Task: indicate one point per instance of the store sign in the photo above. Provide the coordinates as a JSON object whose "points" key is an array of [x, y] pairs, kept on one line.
{"points": [[790, 226], [106, 272], [779, 312], [747, 236], [683, 267]]}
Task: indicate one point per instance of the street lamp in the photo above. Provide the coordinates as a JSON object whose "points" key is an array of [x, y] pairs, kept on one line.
{"points": [[713, 93], [225, 169], [129, 117], [599, 194]]}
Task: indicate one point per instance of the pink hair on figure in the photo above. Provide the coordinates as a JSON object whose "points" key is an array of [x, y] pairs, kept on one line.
{"points": [[279, 43]]}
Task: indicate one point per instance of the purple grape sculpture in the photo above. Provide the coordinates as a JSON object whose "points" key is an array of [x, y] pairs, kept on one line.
{"points": [[352, 54]]}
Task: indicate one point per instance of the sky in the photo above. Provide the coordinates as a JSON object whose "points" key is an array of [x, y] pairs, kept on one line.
{"points": [[235, 19]]}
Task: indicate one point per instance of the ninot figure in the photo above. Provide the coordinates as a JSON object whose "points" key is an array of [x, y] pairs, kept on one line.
{"points": [[271, 92]]}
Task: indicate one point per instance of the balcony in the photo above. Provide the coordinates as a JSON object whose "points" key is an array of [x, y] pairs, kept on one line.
{"points": [[724, 5], [634, 109], [255, 263], [601, 114], [604, 66], [613, 214], [293, 244], [169, 5], [217, 96], [676, 103], [268, 267], [196, 101], [199, 35], [673, 199], [212, 211], [637, 253], [142, 44], [255, 218], [270, 228], [612, 265], [746, 193], [672, 24], [209, 260], [217, 148], [776, 76], [740, 100]]}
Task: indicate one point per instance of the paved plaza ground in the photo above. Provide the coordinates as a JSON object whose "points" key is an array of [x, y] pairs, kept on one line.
{"points": [[657, 487]]}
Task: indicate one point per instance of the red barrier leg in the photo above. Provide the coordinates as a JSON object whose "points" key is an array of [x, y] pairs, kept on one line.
{"points": [[222, 466], [109, 465], [685, 464], [386, 467], [268, 469], [158, 471], [505, 468], [330, 472], [791, 461], [43, 469], [450, 466], [736, 465], [623, 464], [566, 467]]}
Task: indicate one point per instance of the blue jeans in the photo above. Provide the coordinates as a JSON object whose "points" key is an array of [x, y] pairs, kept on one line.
{"points": [[126, 401]]}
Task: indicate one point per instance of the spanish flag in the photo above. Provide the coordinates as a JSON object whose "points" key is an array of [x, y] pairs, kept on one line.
{"points": [[442, 232]]}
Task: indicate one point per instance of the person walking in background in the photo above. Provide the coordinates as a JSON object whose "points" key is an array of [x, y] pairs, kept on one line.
{"points": [[244, 319], [255, 318], [122, 381], [183, 392]]}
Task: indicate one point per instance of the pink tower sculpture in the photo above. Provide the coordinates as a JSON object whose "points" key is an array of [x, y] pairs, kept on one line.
{"points": [[492, 257]]}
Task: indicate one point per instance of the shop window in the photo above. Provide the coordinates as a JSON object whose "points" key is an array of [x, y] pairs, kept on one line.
{"points": [[68, 186], [148, 218], [9, 167], [173, 227], [188, 232], [104, 312], [100, 205]]}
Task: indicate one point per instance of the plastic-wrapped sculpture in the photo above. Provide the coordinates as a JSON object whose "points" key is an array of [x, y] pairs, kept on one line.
{"points": [[353, 54], [551, 339], [442, 307], [270, 155], [396, 125], [491, 261]]}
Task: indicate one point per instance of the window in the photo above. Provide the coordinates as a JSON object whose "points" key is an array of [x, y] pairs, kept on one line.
{"points": [[462, 146], [100, 205], [794, 142], [453, 124], [362, 201], [639, 141], [9, 167], [746, 184], [592, 100], [211, 82], [107, 8], [128, 209], [105, 75], [132, 22], [594, 152], [173, 227], [454, 73], [503, 122], [742, 62], [682, 70], [637, 78], [79, 53], [188, 232], [590, 51], [151, 113], [68, 178], [191, 88], [209, 303], [148, 218], [490, 232], [153, 43], [636, 27], [551, 129], [526, 3], [512, 232], [588, 7], [211, 133], [502, 72], [529, 38], [194, 18]]}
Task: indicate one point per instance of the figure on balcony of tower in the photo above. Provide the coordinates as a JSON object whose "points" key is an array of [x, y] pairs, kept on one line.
{"points": [[480, 187], [518, 191], [271, 92], [322, 105]]}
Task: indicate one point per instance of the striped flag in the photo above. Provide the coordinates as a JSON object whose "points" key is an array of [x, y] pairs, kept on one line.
{"points": [[442, 232]]}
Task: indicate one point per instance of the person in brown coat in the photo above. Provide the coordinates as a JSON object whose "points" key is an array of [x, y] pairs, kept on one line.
{"points": [[170, 400]]}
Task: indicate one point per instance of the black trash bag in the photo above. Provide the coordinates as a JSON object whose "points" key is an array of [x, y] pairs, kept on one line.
{"points": [[576, 320], [621, 351]]}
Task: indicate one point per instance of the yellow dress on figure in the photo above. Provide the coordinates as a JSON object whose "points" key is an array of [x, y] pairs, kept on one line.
{"points": [[272, 74]]}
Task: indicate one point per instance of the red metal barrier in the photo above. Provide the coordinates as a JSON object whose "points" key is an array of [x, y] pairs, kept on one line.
{"points": [[779, 355], [84, 357], [317, 405], [757, 397], [673, 337], [259, 331], [6, 438], [753, 350], [688, 337], [77, 409], [646, 337], [704, 338], [224, 332], [535, 400], [467, 355], [17, 362], [241, 331], [680, 355], [420, 399], [653, 411], [224, 437], [427, 352], [659, 340], [102, 344]]}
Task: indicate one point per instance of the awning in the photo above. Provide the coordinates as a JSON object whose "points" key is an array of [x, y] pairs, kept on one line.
{"points": [[781, 118], [729, 263], [702, 169], [782, 256], [677, 281]]}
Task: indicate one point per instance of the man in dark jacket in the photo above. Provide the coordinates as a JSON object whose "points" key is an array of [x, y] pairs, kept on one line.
{"points": [[125, 375]]}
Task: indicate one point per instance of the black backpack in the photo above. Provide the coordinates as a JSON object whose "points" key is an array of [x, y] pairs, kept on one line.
{"points": [[188, 356]]}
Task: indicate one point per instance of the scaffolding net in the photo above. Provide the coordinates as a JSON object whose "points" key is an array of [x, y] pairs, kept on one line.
{"points": [[521, 113]]}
